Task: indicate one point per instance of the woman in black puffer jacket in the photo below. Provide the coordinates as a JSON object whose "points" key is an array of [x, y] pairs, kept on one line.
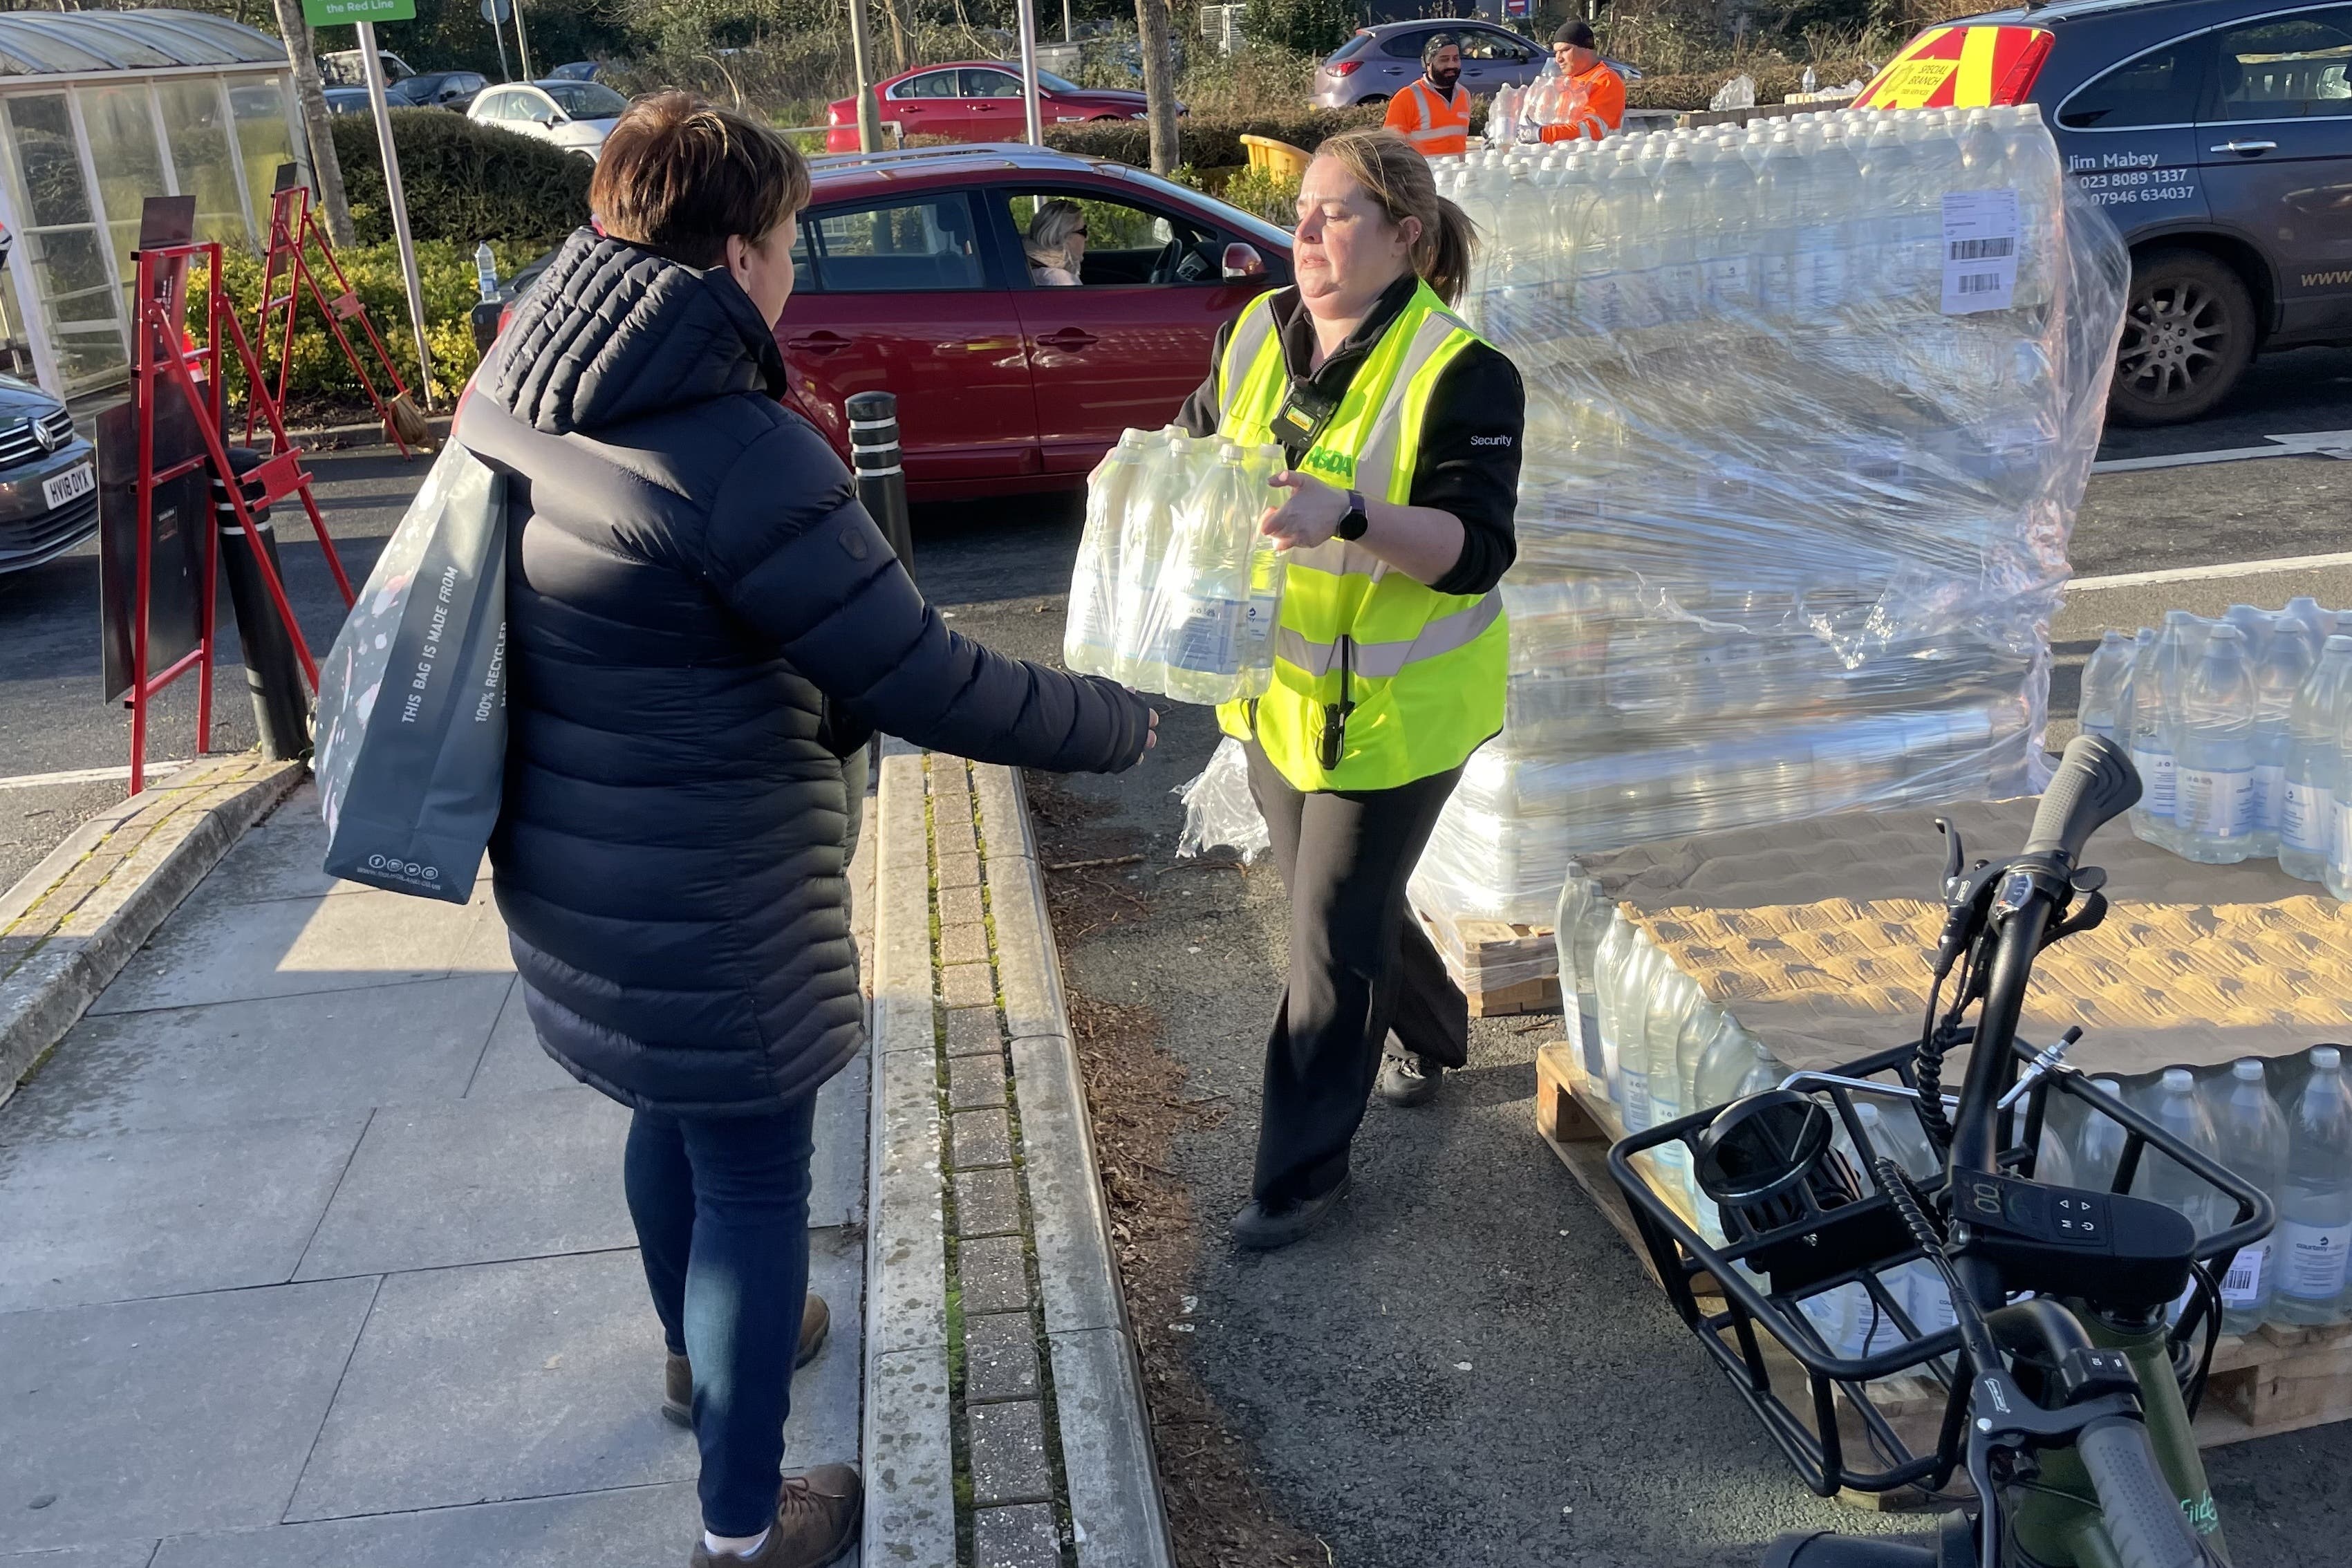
{"points": [[701, 622]]}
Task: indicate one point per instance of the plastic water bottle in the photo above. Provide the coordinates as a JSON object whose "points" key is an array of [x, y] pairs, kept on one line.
{"points": [[2214, 817], [2315, 1204], [2155, 703], [1090, 638], [2254, 1134], [2104, 674], [1672, 1002], [486, 271], [1579, 897], [1616, 949], [2306, 608], [1675, 212], [1894, 1131], [2289, 653], [2099, 1143], [1642, 972], [1780, 192], [1144, 536], [1707, 1021], [2315, 724], [2173, 1105]]}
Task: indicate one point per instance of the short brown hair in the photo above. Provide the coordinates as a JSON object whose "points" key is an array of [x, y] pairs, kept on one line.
{"points": [[678, 176]]}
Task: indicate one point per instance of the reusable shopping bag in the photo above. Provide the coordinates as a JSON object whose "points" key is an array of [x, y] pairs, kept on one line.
{"points": [[411, 728]]}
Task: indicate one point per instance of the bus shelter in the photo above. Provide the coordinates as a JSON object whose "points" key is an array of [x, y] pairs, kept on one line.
{"points": [[99, 111]]}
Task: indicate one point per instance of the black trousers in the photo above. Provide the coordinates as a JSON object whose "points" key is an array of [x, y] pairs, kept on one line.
{"points": [[1360, 966]]}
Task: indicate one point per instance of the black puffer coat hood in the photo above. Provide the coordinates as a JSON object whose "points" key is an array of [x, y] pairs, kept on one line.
{"points": [[700, 617]]}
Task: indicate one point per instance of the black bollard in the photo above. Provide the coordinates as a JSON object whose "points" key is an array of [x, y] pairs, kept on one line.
{"points": [[273, 675], [881, 480]]}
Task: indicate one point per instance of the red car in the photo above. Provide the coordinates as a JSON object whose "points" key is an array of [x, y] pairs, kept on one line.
{"points": [[912, 280], [976, 100]]}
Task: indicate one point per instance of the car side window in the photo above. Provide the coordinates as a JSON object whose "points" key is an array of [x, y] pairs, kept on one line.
{"points": [[1405, 46], [990, 84], [2286, 67], [931, 84], [1495, 46], [1123, 243], [911, 247], [496, 105], [2160, 88]]}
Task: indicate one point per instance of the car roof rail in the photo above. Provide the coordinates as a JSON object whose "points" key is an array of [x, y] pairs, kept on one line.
{"points": [[918, 159]]}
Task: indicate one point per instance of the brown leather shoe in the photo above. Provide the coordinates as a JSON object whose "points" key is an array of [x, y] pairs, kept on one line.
{"points": [[817, 1514], [677, 1372]]}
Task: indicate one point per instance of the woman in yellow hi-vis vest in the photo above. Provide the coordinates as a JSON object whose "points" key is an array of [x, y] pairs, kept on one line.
{"points": [[1403, 430]]}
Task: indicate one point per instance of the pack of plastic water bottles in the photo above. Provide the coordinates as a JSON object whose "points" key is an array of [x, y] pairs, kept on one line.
{"points": [[1175, 590], [1810, 406], [2237, 728]]}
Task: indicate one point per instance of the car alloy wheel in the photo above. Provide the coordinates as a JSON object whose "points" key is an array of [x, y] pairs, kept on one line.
{"points": [[2187, 335]]}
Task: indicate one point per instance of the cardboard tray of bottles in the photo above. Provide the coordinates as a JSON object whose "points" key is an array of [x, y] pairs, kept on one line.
{"points": [[1815, 936]]}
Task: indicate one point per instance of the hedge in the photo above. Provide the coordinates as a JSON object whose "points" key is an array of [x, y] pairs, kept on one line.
{"points": [[465, 183], [1774, 83], [1205, 141], [444, 270]]}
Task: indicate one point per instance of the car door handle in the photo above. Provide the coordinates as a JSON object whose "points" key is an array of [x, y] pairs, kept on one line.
{"points": [[816, 344], [2245, 147], [1069, 340]]}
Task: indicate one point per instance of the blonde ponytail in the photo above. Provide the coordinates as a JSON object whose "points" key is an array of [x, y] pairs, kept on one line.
{"points": [[1386, 166]]}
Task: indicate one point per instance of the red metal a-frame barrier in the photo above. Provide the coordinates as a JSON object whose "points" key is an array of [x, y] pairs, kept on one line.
{"points": [[293, 228], [162, 354]]}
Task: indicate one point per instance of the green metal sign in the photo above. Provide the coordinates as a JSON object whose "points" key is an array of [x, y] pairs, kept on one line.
{"points": [[327, 13]]}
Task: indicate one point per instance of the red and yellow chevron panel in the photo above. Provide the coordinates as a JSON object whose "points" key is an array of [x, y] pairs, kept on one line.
{"points": [[1960, 68]]}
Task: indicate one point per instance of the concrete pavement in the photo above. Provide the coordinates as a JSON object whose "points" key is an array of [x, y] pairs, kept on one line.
{"points": [[309, 1254]]}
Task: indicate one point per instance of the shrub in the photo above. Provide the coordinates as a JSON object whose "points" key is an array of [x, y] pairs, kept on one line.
{"points": [[465, 183], [1207, 141], [1775, 80], [444, 270], [1272, 196], [1313, 28]]}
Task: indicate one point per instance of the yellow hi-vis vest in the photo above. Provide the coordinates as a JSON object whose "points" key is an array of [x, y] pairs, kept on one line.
{"points": [[1425, 671]]}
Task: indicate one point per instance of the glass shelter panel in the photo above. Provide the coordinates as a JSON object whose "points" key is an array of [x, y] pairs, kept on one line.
{"points": [[60, 253], [258, 109], [128, 158], [196, 124]]}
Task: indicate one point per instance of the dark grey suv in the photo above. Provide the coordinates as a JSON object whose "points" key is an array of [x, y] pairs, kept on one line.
{"points": [[2219, 134], [49, 478]]}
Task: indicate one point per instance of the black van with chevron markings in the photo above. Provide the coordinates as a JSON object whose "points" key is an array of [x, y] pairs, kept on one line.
{"points": [[2219, 133]]}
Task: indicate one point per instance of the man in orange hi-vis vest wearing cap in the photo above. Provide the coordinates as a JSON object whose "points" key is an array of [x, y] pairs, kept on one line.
{"points": [[1586, 74], [1433, 113]]}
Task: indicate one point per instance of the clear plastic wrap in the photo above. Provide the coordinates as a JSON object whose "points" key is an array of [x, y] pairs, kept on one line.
{"points": [[1810, 408], [1219, 810], [1175, 591]]}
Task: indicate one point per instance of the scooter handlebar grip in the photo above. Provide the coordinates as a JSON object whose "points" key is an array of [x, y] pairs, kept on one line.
{"points": [[2095, 782]]}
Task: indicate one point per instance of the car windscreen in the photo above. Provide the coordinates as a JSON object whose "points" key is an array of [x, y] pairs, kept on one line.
{"points": [[585, 99], [1053, 83]]}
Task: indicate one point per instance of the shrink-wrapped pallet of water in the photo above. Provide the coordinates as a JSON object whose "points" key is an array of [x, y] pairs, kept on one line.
{"points": [[1810, 408]]}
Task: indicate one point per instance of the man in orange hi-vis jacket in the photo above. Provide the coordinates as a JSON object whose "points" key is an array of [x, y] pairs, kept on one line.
{"points": [[1433, 113], [1582, 70]]}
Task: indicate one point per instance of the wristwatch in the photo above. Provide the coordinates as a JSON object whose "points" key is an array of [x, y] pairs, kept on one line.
{"points": [[1352, 526]]}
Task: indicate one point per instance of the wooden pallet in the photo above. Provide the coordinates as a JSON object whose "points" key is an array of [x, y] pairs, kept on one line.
{"points": [[2273, 1380], [1494, 956]]}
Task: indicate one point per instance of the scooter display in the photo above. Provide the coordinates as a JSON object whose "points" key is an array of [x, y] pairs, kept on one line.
{"points": [[2080, 1324]]}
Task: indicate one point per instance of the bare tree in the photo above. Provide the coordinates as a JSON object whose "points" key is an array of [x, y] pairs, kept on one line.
{"points": [[326, 169], [1159, 83]]}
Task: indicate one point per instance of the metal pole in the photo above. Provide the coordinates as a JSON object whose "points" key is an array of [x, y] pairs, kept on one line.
{"points": [[522, 42], [861, 53], [498, 32], [399, 205], [874, 454], [1034, 122], [1068, 36]]}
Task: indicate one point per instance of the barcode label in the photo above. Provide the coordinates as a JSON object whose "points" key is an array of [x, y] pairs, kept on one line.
{"points": [[1978, 249], [1981, 257], [2242, 1285]]}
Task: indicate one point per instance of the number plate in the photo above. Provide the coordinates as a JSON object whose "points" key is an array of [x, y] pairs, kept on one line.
{"points": [[73, 482]]}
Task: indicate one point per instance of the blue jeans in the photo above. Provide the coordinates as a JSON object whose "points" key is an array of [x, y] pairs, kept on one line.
{"points": [[721, 1211]]}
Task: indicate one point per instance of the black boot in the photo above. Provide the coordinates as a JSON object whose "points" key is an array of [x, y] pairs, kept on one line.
{"points": [[1408, 1077], [1261, 1229]]}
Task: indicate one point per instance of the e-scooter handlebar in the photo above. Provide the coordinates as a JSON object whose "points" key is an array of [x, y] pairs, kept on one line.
{"points": [[2095, 783]]}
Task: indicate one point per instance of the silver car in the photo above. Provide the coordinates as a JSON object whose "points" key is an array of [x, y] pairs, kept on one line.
{"points": [[49, 478], [575, 115], [1379, 62]]}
